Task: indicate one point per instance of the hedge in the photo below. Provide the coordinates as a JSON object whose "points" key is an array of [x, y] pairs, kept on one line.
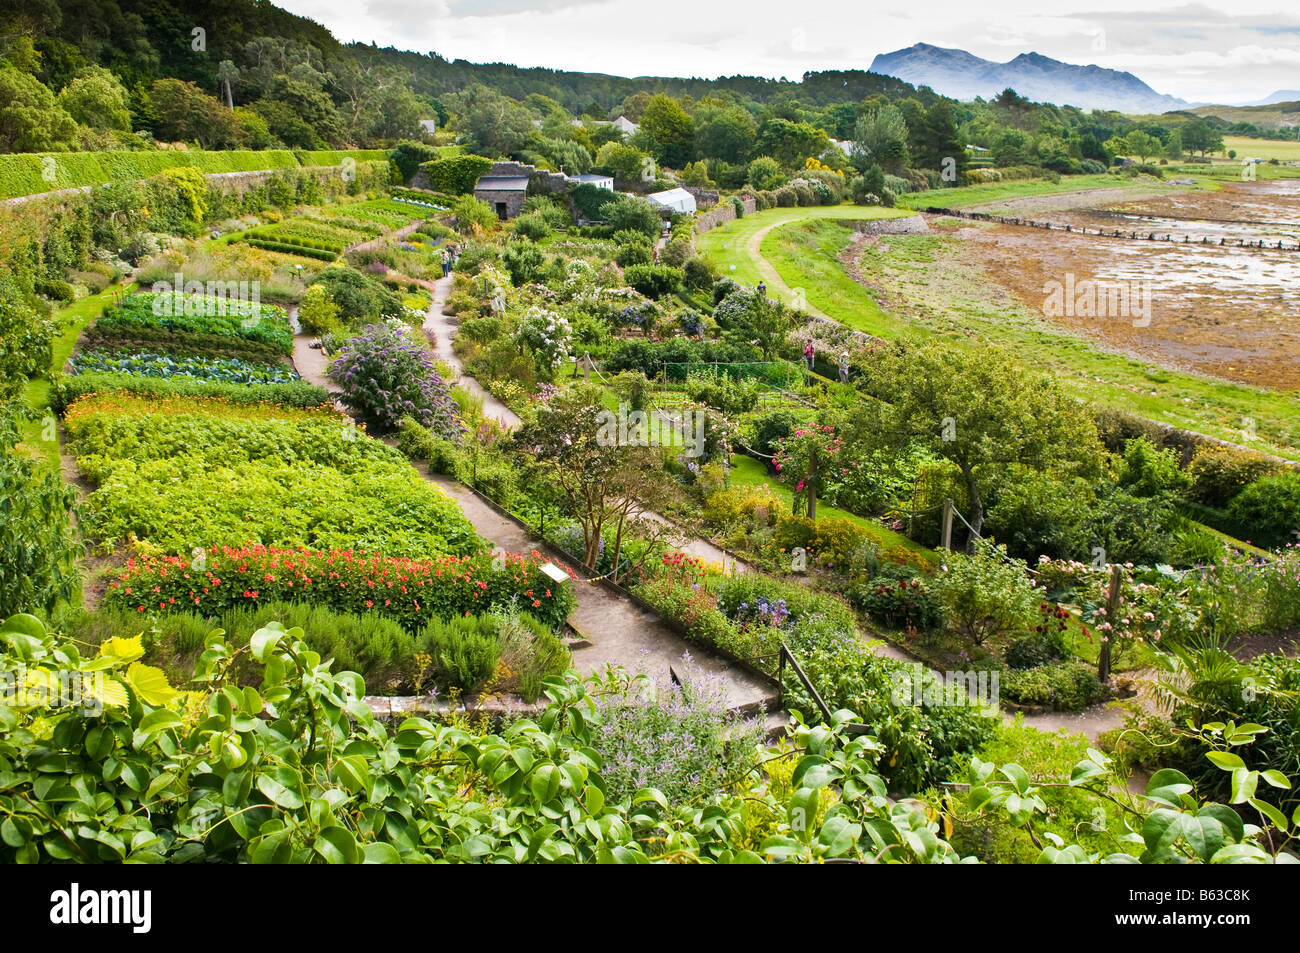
{"points": [[66, 390], [23, 174], [456, 175]]}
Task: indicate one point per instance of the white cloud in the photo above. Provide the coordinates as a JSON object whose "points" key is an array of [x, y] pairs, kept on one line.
{"points": [[1224, 50]]}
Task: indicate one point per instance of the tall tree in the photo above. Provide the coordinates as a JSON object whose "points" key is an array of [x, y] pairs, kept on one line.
{"points": [[980, 410], [880, 138]]}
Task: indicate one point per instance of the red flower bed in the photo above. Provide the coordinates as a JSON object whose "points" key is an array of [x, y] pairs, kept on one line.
{"points": [[410, 591]]}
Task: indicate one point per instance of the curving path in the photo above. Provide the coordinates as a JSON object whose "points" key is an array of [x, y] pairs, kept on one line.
{"points": [[613, 629]]}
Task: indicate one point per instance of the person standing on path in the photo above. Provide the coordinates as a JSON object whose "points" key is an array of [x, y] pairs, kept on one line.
{"points": [[844, 367], [809, 355], [446, 262]]}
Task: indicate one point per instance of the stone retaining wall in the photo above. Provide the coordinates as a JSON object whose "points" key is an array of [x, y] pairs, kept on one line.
{"points": [[725, 211]]}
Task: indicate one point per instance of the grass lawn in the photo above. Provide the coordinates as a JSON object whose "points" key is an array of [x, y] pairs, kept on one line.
{"points": [[746, 471], [945, 297], [1283, 150], [728, 245], [72, 321], [1002, 191]]}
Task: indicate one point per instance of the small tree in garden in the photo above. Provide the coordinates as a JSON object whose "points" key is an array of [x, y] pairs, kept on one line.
{"points": [[985, 594], [806, 459], [385, 376], [752, 318], [606, 484]]}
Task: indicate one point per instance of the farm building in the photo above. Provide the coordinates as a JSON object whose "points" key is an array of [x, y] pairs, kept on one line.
{"points": [[674, 200], [505, 193]]}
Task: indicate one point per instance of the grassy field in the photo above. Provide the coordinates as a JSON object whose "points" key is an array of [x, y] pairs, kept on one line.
{"points": [[746, 471], [73, 320], [942, 296], [1283, 151], [1002, 191]]}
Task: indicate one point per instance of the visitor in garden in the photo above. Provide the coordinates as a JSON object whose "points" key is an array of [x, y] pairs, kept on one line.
{"points": [[446, 262], [809, 355], [844, 367]]}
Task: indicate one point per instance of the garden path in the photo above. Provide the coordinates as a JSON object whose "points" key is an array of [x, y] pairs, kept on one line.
{"points": [[442, 328], [614, 629]]}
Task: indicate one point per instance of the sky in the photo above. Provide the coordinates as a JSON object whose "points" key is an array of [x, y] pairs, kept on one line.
{"points": [[1223, 51]]}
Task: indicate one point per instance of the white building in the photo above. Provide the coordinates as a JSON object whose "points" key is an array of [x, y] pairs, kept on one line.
{"points": [[605, 182], [625, 125], [676, 200]]}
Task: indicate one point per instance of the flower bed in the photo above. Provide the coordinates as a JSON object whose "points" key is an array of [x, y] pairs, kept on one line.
{"points": [[409, 590]]}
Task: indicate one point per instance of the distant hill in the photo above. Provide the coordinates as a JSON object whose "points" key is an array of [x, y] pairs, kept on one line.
{"points": [[963, 75], [1281, 114], [1281, 96]]}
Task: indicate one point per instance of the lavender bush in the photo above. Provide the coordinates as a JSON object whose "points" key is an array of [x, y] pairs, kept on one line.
{"points": [[682, 740], [386, 376]]}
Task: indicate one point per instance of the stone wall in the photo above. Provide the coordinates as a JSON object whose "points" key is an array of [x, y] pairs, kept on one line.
{"points": [[724, 211], [539, 180], [704, 198]]}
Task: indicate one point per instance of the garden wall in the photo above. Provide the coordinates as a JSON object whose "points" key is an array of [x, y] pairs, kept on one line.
{"points": [[723, 212]]}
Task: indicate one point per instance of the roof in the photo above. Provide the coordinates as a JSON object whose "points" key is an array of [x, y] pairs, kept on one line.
{"points": [[591, 177], [502, 183], [670, 195]]}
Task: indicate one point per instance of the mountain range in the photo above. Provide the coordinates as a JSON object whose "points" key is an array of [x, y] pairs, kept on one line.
{"points": [[964, 76]]}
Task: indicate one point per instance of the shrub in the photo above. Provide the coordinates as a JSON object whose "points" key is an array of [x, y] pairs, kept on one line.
{"points": [[772, 426], [682, 740], [361, 299], [897, 603], [317, 312], [1036, 648], [528, 652], [677, 252], [473, 216], [654, 281], [1269, 507], [699, 274], [442, 455], [376, 648], [385, 376], [1220, 473], [38, 546], [523, 260], [921, 741], [985, 594], [463, 650], [1063, 686], [633, 253], [532, 226]]}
